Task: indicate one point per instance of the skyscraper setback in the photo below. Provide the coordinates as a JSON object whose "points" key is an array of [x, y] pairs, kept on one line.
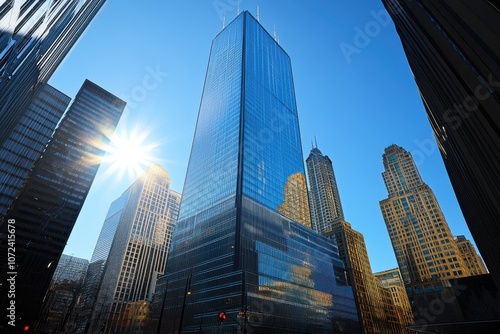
{"points": [[421, 238], [325, 200], [243, 244], [453, 48], [46, 208], [374, 304]]}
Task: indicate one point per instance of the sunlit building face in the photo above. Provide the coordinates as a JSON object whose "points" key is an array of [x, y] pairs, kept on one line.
{"points": [[243, 243]]}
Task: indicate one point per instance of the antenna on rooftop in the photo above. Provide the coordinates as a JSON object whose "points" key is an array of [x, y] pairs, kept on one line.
{"points": [[238, 8], [258, 13], [224, 20], [274, 34], [315, 141]]}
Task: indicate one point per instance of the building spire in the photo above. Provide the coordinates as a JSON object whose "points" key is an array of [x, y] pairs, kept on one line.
{"points": [[258, 20], [224, 20]]}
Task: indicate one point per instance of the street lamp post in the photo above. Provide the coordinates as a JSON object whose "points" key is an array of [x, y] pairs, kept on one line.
{"points": [[186, 293]]}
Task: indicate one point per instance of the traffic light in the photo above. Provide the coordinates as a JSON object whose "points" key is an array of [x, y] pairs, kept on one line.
{"points": [[222, 316]]}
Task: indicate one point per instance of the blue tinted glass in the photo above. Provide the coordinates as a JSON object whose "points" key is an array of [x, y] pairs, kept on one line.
{"points": [[273, 171], [212, 170], [231, 249]]}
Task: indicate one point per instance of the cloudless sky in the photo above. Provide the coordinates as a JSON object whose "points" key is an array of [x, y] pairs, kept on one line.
{"points": [[355, 92]]}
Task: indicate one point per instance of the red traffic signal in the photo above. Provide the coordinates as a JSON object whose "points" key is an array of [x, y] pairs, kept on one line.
{"points": [[26, 328], [222, 316]]}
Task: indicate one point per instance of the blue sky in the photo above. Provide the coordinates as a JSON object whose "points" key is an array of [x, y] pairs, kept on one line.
{"points": [[354, 89]]}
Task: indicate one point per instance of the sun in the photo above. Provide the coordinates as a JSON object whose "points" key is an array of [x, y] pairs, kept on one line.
{"points": [[128, 153]]}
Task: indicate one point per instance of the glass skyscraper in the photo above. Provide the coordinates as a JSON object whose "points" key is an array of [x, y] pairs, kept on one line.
{"points": [[108, 230], [35, 37], [70, 268], [46, 208], [243, 244], [27, 141]]}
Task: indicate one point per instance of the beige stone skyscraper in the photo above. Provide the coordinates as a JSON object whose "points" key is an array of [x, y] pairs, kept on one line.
{"points": [[326, 207], [422, 241], [352, 250], [472, 259], [397, 304], [134, 242], [374, 305]]}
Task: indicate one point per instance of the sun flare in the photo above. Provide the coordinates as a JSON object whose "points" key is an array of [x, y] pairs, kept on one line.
{"points": [[128, 153]]}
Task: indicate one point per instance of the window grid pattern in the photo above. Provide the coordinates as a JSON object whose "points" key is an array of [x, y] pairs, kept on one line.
{"points": [[213, 165], [273, 170]]}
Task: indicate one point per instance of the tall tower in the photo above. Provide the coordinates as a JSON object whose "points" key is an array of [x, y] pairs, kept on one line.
{"points": [[27, 141], [420, 236], [96, 267], [452, 48], [329, 220], [325, 198], [45, 210], [108, 230], [35, 37], [243, 244], [145, 217]]}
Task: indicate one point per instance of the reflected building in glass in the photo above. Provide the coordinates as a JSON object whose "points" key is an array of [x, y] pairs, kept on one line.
{"points": [[243, 244]]}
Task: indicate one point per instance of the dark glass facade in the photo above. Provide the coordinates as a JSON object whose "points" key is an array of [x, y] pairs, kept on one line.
{"points": [[243, 243], [453, 49], [35, 37], [27, 141], [52, 196]]}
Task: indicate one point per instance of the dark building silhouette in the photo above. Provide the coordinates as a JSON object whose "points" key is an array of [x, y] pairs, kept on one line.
{"points": [[243, 243], [52, 196], [60, 309], [460, 306], [35, 37], [27, 140], [453, 48]]}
